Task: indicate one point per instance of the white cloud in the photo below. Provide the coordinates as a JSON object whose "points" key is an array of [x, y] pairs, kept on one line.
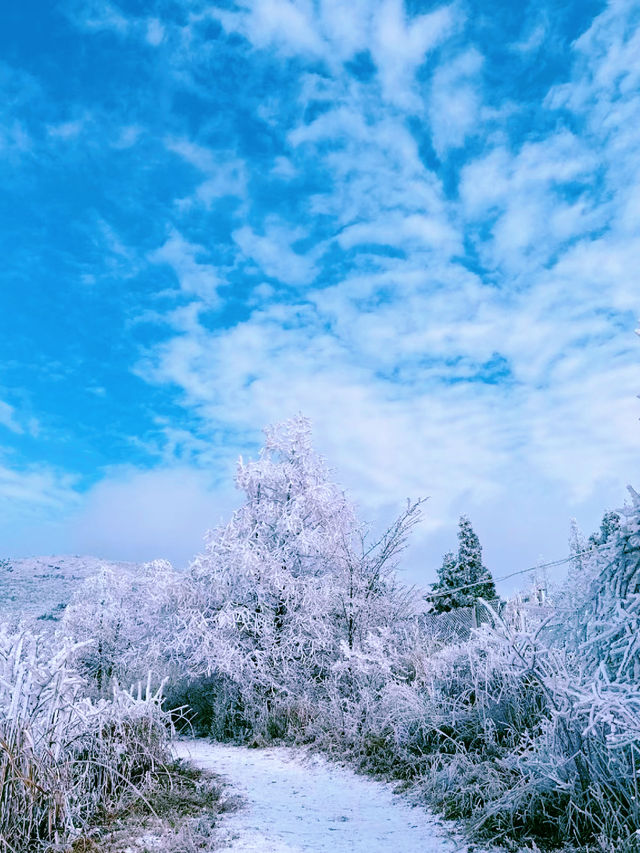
{"points": [[531, 197], [142, 515], [127, 136], [67, 129], [287, 25], [195, 275], [532, 41], [155, 32], [399, 47], [274, 253], [35, 491], [403, 231], [225, 174], [17, 423], [284, 168], [101, 15], [8, 418], [455, 100], [336, 32]]}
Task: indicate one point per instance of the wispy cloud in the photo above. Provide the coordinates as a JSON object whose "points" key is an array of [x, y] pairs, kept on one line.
{"points": [[195, 275], [273, 252]]}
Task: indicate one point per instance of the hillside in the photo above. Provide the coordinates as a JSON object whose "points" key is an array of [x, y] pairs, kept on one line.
{"points": [[39, 588]]}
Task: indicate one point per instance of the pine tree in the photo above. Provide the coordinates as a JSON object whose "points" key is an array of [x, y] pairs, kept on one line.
{"points": [[448, 579], [609, 526], [465, 570], [470, 563]]}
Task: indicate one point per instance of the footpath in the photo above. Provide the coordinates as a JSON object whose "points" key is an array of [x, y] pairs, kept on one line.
{"points": [[298, 802]]}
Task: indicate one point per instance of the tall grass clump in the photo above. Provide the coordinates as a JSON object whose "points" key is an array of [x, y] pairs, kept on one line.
{"points": [[63, 756]]}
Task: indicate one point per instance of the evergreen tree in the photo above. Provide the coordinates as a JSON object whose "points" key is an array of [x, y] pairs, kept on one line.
{"points": [[448, 579], [467, 570], [470, 564], [609, 527]]}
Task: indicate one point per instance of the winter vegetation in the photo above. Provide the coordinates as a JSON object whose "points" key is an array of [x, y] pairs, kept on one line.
{"points": [[292, 627], [65, 757], [462, 578]]}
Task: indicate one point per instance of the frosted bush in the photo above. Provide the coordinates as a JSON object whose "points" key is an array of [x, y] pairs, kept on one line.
{"points": [[120, 624], [62, 755]]}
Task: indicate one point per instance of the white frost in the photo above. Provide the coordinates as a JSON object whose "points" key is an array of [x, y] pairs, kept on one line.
{"points": [[297, 802]]}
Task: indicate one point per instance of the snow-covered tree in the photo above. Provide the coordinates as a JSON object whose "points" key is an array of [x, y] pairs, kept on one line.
{"points": [[466, 570], [448, 579], [254, 602], [609, 526], [121, 620], [577, 548], [289, 578], [610, 620], [470, 563], [364, 581]]}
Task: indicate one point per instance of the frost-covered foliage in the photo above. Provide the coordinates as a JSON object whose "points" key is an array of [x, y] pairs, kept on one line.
{"points": [[62, 755], [609, 527], [609, 623], [119, 622], [526, 735], [297, 628], [265, 609], [465, 570]]}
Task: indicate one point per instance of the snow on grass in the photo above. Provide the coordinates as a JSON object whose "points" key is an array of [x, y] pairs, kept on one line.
{"points": [[298, 802], [39, 588]]}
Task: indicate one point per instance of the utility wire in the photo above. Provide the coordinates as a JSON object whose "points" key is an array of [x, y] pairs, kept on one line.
{"points": [[513, 574]]}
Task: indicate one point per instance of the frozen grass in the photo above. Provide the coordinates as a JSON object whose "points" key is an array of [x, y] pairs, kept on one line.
{"points": [[63, 757], [178, 814]]}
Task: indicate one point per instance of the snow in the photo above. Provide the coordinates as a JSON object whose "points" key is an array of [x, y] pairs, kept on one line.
{"points": [[39, 588], [298, 802]]}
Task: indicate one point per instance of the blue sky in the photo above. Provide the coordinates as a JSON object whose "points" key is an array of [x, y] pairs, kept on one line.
{"points": [[418, 224]]}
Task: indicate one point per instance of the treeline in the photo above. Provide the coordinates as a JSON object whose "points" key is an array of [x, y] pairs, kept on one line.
{"points": [[292, 626]]}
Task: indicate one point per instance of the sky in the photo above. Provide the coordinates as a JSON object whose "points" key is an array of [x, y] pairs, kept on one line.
{"points": [[417, 224]]}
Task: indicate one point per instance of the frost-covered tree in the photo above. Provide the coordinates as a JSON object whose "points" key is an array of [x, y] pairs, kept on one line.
{"points": [[464, 570], [470, 563], [589, 557], [448, 579], [609, 526], [289, 578], [255, 601], [578, 573], [364, 581], [121, 622]]}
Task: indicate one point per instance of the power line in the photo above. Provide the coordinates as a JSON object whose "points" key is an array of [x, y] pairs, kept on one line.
{"points": [[514, 574]]}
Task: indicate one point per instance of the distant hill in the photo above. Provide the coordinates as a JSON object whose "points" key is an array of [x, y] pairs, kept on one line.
{"points": [[39, 588]]}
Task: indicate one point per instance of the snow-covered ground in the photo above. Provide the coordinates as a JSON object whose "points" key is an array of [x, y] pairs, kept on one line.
{"points": [[297, 802], [39, 588]]}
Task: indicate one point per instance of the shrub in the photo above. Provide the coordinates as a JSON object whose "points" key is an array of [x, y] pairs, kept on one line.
{"points": [[63, 757]]}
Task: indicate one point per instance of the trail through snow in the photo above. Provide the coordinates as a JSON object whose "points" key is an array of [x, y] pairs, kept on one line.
{"points": [[298, 802]]}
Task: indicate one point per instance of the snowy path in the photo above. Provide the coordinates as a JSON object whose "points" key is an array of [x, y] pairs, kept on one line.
{"points": [[297, 802]]}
